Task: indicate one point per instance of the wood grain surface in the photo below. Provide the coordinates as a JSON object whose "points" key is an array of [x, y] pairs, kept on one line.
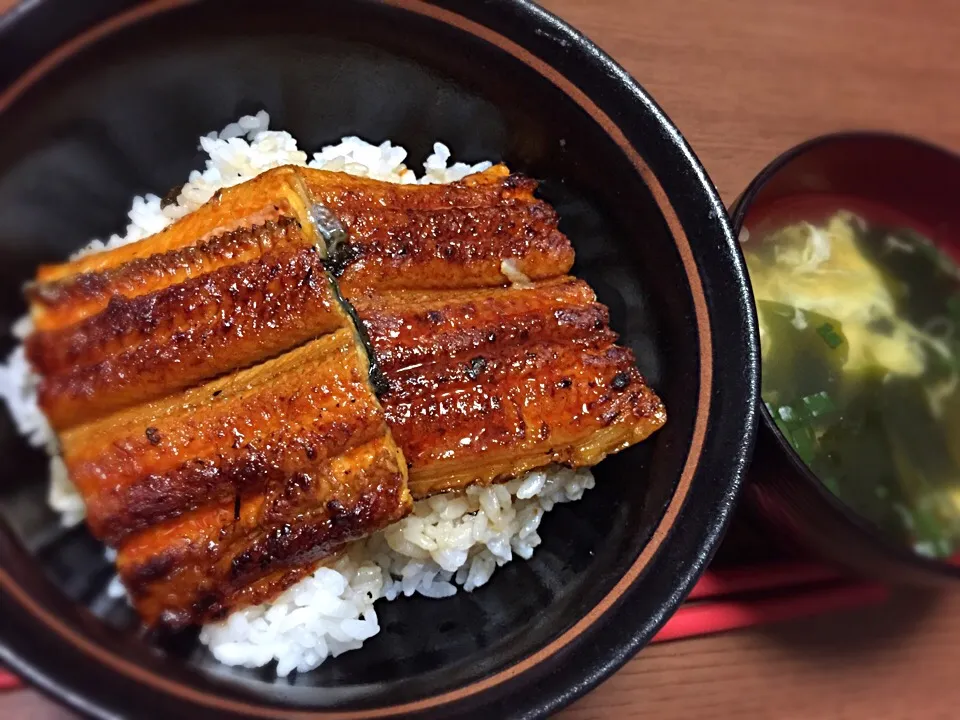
{"points": [[744, 81]]}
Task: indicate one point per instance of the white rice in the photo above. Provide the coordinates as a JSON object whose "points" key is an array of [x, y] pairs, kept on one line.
{"points": [[450, 541]]}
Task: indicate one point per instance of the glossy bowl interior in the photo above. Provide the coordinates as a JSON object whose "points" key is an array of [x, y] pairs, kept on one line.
{"points": [[118, 113], [890, 179]]}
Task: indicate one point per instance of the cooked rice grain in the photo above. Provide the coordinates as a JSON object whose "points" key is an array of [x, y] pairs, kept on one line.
{"points": [[449, 541]]}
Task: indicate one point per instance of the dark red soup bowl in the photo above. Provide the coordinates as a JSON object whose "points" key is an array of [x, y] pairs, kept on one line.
{"points": [[890, 181], [100, 101]]}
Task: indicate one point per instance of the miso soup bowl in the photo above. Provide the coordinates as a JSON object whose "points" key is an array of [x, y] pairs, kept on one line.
{"points": [[104, 99], [904, 181]]}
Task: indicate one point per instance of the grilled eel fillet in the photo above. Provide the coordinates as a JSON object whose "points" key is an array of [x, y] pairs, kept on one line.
{"points": [[225, 494], [215, 396], [486, 384]]}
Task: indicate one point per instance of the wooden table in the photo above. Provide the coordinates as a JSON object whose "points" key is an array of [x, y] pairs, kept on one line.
{"points": [[744, 81]]}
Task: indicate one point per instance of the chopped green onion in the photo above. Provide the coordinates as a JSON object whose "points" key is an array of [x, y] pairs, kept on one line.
{"points": [[819, 404], [830, 336], [786, 413], [925, 524], [804, 442]]}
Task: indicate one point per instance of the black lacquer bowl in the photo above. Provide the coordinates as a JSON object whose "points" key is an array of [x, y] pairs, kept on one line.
{"points": [[104, 100]]}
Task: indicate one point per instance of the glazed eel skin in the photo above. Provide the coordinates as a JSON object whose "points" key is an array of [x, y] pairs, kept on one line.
{"points": [[285, 369]]}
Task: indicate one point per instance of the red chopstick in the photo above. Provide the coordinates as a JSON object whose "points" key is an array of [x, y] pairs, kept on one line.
{"points": [[704, 618], [8, 681], [755, 578]]}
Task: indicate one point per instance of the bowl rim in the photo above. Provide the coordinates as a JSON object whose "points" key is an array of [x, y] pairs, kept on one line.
{"points": [[838, 511], [732, 431]]}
